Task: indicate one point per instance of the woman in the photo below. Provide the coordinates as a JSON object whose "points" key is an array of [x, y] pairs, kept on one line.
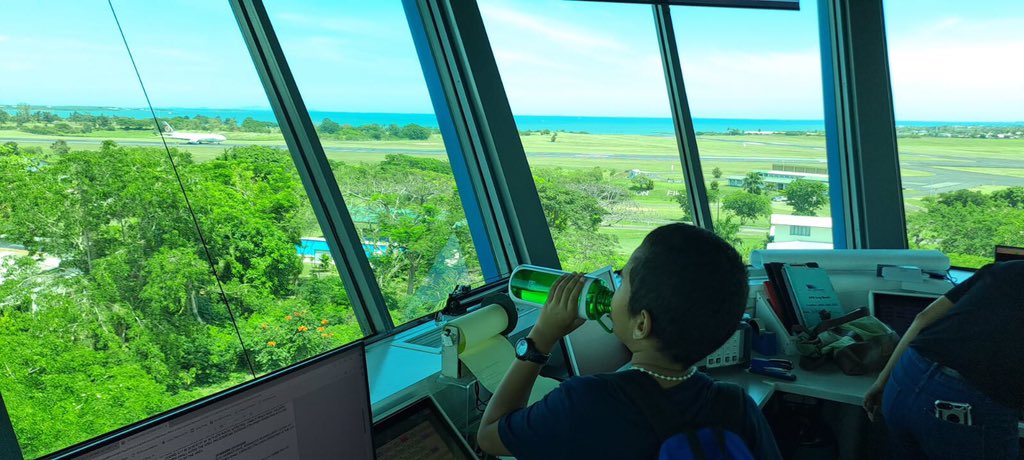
{"points": [[954, 387]]}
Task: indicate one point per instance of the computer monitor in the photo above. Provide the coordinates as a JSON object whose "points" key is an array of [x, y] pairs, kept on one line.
{"points": [[318, 408], [419, 431], [898, 309], [1005, 253], [592, 350]]}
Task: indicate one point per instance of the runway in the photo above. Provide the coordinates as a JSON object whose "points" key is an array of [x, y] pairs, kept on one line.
{"points": [[946, 174]]}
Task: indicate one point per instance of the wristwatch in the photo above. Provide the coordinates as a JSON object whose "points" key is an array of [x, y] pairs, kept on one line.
{"points": [[526, 350]]}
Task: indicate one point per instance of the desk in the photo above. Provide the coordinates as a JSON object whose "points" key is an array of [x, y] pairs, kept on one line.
{"points": [[828, 383]]}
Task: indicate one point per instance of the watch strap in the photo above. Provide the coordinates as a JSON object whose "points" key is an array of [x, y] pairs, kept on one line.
{"points": [[532, 354]]}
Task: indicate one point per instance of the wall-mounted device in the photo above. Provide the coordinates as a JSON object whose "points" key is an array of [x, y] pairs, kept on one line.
{"points": [[734, 352], [496, 316]]}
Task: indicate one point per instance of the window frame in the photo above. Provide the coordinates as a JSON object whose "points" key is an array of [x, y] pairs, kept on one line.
{"points": [[499, 197], [864, 181]]}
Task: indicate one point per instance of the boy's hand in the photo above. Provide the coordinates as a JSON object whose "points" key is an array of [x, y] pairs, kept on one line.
{"points": [[559, 315]]}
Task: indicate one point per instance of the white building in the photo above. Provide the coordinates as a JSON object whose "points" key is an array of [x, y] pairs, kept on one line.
{"points": [[800, 232]]}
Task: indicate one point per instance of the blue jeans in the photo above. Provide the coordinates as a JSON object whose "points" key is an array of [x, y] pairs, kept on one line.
{"points": [[908, 406]]}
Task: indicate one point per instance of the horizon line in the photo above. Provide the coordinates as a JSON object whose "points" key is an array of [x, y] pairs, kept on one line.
{"points": [[269, 109]]}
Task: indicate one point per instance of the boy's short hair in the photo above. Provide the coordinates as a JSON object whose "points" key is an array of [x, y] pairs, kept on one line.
{"points": [[694, 286]]}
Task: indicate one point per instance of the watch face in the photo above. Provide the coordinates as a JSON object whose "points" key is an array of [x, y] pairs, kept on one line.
{"points": [[522, 347]]}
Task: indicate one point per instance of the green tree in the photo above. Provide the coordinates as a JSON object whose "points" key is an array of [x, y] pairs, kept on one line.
{"points": [[415, 132], [4, 116], [806, 197], [566, 207], [22, 114], [642, 183], [715, 197], [1011, 196], [252, 125], [753, 183], [965, 225], [60, 147], [683, 200], [965, 198], [324, 263], [9, 148], [716, 172], [328, 127], [729, 230], [747, 206]]}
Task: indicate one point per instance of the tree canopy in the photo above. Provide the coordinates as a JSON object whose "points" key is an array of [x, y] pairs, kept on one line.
{"points": [[806, 197], [747, 206]]}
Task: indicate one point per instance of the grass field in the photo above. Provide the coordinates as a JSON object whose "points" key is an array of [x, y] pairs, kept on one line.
{"points": [[928, 165]]}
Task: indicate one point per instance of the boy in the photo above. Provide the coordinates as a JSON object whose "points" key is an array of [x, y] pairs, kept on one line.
{"points": [[683, 292]]}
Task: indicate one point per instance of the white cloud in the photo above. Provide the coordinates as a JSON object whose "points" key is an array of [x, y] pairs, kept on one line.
{"points": [[958, 70], [347, 25], [727, 84], [558, 33]]}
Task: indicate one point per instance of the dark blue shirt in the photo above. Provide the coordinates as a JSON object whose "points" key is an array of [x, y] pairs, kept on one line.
{"points": [[980, 337], [585, 417]]}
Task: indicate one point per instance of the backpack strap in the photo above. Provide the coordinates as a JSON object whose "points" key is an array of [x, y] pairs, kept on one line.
{"points": [[728, 410]]}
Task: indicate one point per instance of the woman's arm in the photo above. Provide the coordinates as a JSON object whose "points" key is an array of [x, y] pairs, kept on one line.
{"points": [[938, 309]]}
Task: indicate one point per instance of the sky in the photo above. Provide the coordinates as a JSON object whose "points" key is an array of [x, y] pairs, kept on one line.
{"points": [[949, 60]]}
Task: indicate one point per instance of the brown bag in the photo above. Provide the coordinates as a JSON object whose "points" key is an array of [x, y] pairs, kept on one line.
{"points": [[857, 342]]}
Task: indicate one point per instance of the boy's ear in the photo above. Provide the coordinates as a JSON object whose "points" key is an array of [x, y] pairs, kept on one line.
{"points": [[642, 325]]}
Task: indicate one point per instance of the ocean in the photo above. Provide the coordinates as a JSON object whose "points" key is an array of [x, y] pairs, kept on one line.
{"points": [[592, 125]]}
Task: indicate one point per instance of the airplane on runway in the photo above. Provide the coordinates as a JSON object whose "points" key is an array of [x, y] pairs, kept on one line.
{"points": [[191, 138]]}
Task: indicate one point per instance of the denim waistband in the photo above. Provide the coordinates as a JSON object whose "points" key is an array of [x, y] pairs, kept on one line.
{"points": [[926, 364]]}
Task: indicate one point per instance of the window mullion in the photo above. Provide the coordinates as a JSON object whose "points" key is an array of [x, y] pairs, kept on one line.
{"points": [[490, 140], [9, 447], [686, 138], [859, 96]]}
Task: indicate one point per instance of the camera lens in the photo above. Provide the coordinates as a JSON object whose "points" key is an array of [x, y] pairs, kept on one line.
{"points": [[952, 418]]}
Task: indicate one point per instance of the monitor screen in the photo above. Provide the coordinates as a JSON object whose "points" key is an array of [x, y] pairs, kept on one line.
{"points": [[319, 408], [1005, 253], [419, 431], [898, 309]]}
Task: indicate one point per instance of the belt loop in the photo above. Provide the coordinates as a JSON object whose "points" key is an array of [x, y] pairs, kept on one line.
{"points": [[932, 369]]}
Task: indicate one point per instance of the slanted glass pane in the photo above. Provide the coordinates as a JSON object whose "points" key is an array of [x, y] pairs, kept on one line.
{"points": [[356, 66], [959, 104], [587, 90], [109, 311], [753, 78]]}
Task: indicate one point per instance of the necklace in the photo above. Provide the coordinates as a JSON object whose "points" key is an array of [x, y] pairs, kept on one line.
{"points": [[693, 370]]}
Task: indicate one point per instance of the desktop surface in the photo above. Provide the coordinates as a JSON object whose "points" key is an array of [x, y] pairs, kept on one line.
{"points": [[319, 408]]}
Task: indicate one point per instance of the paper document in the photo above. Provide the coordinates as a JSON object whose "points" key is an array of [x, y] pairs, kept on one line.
{"points": [[488, 354]]}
